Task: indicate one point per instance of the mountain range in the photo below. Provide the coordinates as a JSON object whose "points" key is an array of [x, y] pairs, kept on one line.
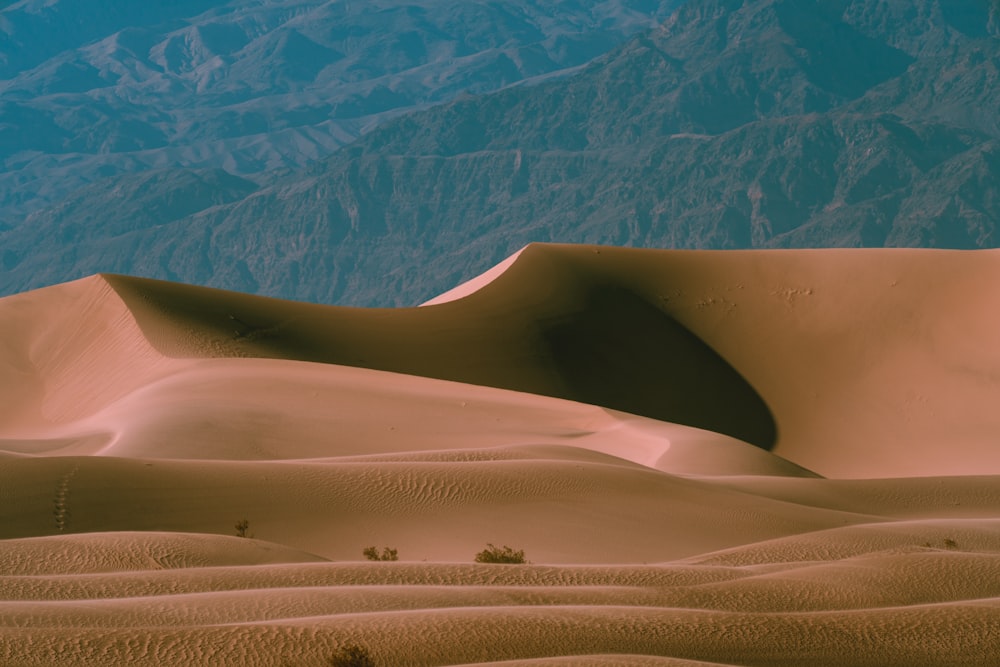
{"points": [[730, 124], [93, 89]]}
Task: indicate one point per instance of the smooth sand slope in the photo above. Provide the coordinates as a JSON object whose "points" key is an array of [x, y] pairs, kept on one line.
{"points": [[848, 362], [609, 411]]}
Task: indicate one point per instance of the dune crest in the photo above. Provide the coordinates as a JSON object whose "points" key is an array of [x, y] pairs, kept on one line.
{"points": [[771, 347], [542, 327], [124, 551], [868, 359], [192, 477], [69, 350]]}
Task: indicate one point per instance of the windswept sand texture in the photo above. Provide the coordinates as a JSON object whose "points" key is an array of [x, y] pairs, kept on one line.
{"points": [[635, 420]]}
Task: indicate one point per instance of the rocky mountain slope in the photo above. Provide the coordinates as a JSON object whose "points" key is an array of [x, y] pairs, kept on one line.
{"points": [[737, 123], [95, 89]]}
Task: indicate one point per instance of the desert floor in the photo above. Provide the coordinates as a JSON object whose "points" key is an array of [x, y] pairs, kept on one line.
{"points": [[708, 458]]}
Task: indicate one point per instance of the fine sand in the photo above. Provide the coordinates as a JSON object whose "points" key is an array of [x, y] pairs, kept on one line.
{"points": [[708, 458]]}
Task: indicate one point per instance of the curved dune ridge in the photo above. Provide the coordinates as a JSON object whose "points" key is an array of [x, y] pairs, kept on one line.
{"points": [[541, 326], [776, 348], [610, 411]]}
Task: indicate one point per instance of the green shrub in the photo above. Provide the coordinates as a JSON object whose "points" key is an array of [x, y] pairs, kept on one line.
{"points": [[494, 554], [371, 553]]}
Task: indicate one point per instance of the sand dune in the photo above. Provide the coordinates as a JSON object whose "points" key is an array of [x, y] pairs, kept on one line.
{"points": [[463, 624], [774, 348], [609, 411], [435, 510], [549, 332], [910, 604]]}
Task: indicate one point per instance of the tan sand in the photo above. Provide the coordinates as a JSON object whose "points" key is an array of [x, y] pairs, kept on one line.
{"points": [[834, 356], [606, 410]]}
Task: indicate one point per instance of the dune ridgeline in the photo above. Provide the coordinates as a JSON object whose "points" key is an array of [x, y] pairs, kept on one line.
{"points": [[708, 458]]}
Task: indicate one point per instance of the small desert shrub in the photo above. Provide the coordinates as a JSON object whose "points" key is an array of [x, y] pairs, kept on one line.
{"points": [[243, 528], [351, 655], [494, 554], [371, 553], [948, 544]]}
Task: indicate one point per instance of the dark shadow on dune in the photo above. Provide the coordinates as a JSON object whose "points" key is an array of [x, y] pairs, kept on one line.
{"points": [[550, 326], [620, 352]]}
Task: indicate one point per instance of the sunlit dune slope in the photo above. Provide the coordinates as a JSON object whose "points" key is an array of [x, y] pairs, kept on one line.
{"points": [[542, 327], [67, 351], [860, 362], [142, 422], [891, 601], [430, 507], [873, 362], [80, 378], [866, 360]]}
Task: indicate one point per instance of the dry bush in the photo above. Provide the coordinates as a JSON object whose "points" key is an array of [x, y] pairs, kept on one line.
{"points": [[495, 554], [371, 553], [351, 655], [243, 528]]}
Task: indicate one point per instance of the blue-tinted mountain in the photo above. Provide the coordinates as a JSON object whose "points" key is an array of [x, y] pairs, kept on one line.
{"points": [[98, 88], [734, 124]]}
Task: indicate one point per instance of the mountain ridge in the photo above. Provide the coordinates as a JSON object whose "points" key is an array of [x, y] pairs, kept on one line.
{"points": [[251, 86], [732, 125]]}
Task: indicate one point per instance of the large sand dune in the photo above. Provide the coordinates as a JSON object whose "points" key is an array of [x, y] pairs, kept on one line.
{"points": [[649, 426]]}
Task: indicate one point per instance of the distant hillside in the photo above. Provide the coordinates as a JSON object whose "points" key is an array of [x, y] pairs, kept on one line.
{"points": [[91, 89], [756, 123]]}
